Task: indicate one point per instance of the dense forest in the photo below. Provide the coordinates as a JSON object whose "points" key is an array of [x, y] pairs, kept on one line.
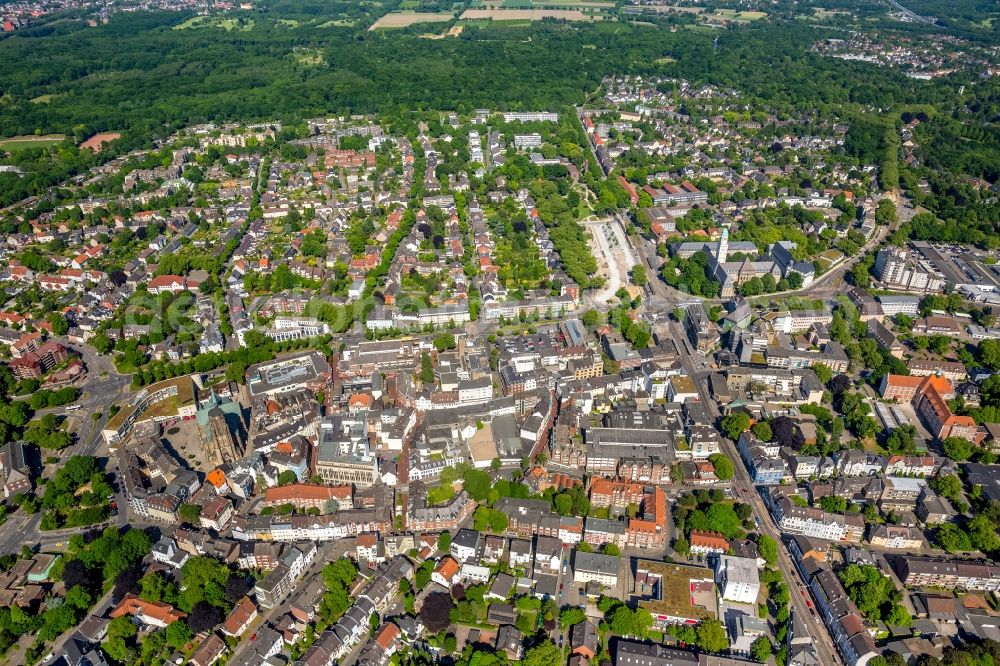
{"points": [[144, 76], [140, 75]]}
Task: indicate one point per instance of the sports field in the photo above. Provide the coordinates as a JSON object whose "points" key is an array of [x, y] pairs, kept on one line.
{"points": [[97, 141], [22, 142]]}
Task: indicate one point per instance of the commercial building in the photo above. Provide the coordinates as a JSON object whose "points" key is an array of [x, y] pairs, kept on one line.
{"points": [[738, 579], [602, 569], [343, 454], [305, 370], [159, 402], [674, 593]]}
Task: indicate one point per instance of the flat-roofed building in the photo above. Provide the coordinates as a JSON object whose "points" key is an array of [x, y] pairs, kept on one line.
{"points": [[738, 579]]}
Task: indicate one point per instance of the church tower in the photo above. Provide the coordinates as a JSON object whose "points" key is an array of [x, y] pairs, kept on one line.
{"points": [[723, 251]]}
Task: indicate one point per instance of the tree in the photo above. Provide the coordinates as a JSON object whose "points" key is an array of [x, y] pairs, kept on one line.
{"points": [[571, 615], [75, 572], [682, 547], [733, 425], [592, 318], [55, 621], [957, 448], [189, 513], [563, 503], [543, 654], [178, 635], [723, 466], [126, 581], [760, 649], [155, 587], [787, 433], [444, 341], [982, 533], [839, 384], [426, 369], [477, 483], [436, 612], [949, 537], [712, 636], [989, 354], [287, 477], [768, 549], [947, 485], [79, 598], [611, 549], [59, 324], [833, 504], [762, 431], [444, 541], [204, 616], [627, 622], [898, 616], [638, 275], [236, 587], [422, 576], [341, 573], [823, 373], [722, 518]]}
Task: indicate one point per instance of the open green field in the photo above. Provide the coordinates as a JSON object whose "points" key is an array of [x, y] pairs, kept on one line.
{"points": [[338, 23], [527, 15], [540, 4], [309, 57], [22, 142], [227, 24], [734, 15]]}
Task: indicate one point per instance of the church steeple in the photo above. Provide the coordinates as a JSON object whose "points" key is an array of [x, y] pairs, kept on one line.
{"points": [[723, 251]]}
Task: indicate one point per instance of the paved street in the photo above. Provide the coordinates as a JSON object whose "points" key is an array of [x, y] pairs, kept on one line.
{"points": [[747, 492], [326, 552]]}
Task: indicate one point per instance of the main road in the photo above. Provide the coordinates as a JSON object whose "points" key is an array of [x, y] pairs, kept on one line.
{"points": [[694, 365]]}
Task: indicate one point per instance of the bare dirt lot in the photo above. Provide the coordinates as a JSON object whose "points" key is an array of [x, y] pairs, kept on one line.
{"points": [[406, 19]]}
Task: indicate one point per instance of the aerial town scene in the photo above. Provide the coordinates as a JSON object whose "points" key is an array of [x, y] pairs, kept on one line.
{"points": [[575, 333]]}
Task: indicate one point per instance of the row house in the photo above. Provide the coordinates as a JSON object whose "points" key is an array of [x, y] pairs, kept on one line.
{"points": [[271, 589], [842, 619], [947, 574], [618, 495], [813, 522], [343, 524]]}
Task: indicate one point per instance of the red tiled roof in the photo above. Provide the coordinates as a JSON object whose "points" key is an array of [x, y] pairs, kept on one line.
{"points": [[238, 619], [306, 491], [387, 636], [708, 540], [133, 605]]}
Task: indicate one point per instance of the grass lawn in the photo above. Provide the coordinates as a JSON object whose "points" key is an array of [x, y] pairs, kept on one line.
{"points": [[227, 24], [338, 23], [23, 142]]}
